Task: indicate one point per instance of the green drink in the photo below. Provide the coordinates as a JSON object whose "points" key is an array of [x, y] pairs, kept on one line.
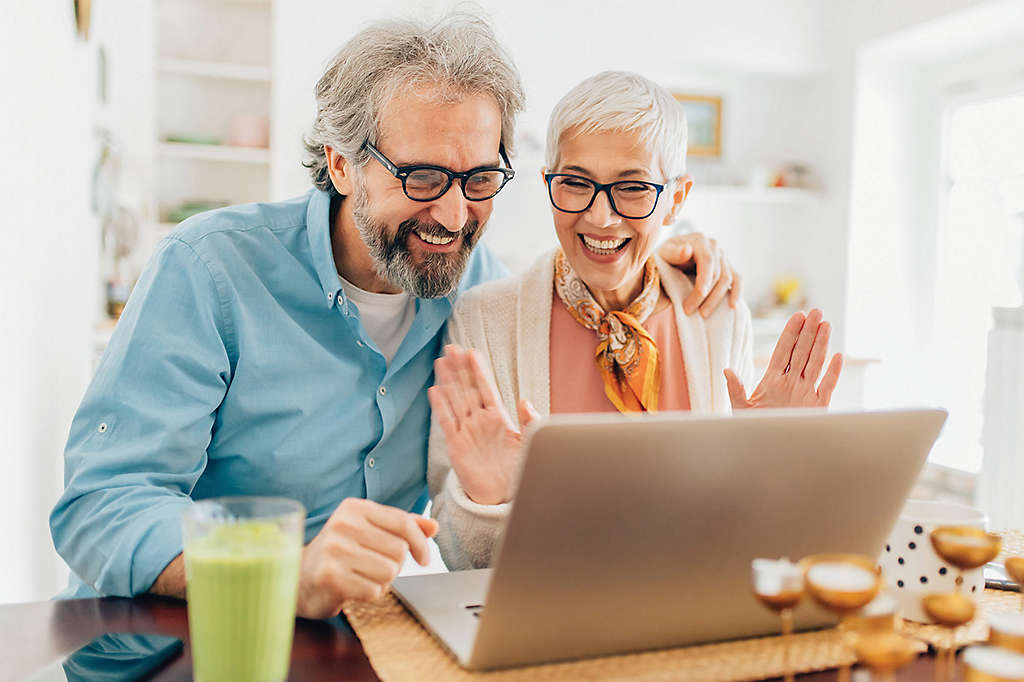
{"points": [[242, 571]]}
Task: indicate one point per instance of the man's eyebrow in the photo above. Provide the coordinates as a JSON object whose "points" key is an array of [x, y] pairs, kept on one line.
{"points": [[403, 164]]}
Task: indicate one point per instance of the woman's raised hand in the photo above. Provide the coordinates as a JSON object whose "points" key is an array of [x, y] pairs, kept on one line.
{"points": [[791, 379], [484, 446]]}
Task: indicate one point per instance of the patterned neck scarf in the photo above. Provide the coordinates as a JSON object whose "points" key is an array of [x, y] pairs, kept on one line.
{"points": [[626, 355]]}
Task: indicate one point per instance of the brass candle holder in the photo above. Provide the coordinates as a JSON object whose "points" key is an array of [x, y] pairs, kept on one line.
{"points": [[1006, 630], [884, 653], [842, 584], [965, 548], [1015, 570], [779, 585]]}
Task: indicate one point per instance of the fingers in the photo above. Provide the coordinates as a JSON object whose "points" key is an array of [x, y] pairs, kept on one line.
{"points": [[734, 292], [527, 414], [401, 524], [449, 379], [676, 251], [819, 351], [802, 349], [737, 394], [706, 262], [428, 526], [829, 381], [440, 403], [482, 381], [784, 346], [718, 292]]}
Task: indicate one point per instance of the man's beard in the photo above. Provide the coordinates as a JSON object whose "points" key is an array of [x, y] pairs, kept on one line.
{"points": [[433, 274]]}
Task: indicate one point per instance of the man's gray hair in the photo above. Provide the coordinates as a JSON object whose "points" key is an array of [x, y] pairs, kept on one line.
{"points": [[459, 55], [619, 100]]}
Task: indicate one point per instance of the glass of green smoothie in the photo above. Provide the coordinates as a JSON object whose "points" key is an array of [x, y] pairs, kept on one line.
{"points": [[242, 574]]}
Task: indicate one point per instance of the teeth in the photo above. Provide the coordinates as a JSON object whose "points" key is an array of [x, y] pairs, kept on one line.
{"points": [[433, 239], [604, 244]]}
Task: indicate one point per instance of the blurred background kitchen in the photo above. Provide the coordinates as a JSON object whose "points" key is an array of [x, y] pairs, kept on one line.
{"points": [[866, 158]]}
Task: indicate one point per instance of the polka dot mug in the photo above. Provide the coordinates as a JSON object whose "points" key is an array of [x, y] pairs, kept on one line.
{"points": [[909, 563]]}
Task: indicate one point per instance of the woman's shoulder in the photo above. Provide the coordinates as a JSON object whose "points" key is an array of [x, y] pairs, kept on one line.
{"points": [[678, 286], [498, 294]]}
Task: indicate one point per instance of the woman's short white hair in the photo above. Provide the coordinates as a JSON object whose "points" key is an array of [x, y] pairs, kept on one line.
{"points": [[620, 100], [457, 56]]}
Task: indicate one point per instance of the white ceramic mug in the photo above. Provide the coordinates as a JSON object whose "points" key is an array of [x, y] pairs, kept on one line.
{"points": [[910, 565]]}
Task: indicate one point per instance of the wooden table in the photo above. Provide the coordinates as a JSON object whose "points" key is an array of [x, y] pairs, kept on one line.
{"points": [[35, 634]]}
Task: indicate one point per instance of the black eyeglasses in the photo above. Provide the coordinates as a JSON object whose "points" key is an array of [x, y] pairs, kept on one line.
{"points": [[631, 199], [426, 183]]}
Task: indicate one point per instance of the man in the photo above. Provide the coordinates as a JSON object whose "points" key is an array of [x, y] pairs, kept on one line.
{"points": [[286, 349]]}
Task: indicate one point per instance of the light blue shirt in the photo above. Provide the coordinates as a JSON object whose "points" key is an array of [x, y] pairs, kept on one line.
{"points": [[239, 367]]}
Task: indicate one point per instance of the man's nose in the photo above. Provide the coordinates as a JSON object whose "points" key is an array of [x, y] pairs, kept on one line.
{"points": [[451, 209], [600, 213]]}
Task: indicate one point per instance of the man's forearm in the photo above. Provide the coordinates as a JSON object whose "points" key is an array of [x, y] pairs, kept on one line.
{"points": [[171, 581]]}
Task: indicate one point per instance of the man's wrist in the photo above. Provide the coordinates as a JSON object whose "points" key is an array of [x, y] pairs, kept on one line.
{"points": [[171, 581]]}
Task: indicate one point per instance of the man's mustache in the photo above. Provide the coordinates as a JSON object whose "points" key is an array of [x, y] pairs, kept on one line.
{"points": [[435, 229]]}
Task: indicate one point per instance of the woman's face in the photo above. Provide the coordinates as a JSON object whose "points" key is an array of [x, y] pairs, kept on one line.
{"points": [[605, 249]]}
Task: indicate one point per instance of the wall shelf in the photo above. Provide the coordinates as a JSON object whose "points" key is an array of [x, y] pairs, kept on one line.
{"points": [[764, 195], [217, 70], [212, 152]]}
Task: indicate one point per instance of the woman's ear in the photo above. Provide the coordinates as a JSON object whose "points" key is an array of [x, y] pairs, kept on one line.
{"points": [[679, 193], [341, 171]]}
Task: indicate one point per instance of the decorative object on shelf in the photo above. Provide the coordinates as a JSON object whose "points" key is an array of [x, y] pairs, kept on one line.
{"points": [[992, 664], [192, 138], [842, 584], [704, 124], [249, 130], [786, 296], [795, 174], [1006, 630], [83, 17], [779, 585], [187, 209], [884, 652], [965, 548]]}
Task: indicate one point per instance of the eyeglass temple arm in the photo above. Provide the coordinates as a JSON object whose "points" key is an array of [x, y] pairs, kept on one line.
{"points": [[392, 168]]}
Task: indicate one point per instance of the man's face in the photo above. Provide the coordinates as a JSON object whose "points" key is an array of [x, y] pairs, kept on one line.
{"points": [[423, 247]]}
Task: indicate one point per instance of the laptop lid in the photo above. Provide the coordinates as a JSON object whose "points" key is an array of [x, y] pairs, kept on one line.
{"points": [[638, 533]]}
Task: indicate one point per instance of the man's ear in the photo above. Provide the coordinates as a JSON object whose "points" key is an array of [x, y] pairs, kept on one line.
{"points": [[679, 194], [341, 170]]}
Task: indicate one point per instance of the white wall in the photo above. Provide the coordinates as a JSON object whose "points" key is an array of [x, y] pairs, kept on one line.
{"points": [[48, 273]]}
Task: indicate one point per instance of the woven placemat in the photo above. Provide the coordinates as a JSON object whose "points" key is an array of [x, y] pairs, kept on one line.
{"points": [[401, 650]]}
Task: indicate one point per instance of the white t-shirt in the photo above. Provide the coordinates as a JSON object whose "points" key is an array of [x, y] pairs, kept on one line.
{"points": [[385, 317]]}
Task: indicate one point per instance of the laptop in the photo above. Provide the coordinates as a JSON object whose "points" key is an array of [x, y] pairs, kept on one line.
{"points": [[630, 534]]}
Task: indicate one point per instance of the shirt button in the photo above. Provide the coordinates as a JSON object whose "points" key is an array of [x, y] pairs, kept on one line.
{"points": [[330, 295], [370, 462], [382, 390], [359, 343], [102, 428]]}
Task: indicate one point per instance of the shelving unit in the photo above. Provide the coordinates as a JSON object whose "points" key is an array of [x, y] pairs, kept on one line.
{"points": [[746, 194], [212, 75]]}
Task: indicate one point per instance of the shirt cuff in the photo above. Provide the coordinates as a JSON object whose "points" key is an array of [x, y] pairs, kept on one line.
{"points": [[159, 544]]}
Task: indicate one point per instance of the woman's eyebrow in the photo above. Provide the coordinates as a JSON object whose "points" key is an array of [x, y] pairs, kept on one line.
{"points": [[632, 172]]}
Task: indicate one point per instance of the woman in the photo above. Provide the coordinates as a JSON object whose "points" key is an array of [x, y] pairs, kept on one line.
{"points": [[596, 325]]}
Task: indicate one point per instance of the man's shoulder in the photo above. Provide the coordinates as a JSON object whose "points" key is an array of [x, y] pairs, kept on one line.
{"points": [[233, 222]]}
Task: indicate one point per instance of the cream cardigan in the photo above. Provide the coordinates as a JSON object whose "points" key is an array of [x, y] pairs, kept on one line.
{"points": [[509, 322]]}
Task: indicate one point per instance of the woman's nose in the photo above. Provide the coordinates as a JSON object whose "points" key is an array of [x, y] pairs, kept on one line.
{"points": [[600, 213]]}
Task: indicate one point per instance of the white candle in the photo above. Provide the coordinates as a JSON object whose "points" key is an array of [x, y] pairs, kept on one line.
{"points": [[995, 661], [882, 605], [1007, 623], [772, 577], [968, 540], [841, 576]]}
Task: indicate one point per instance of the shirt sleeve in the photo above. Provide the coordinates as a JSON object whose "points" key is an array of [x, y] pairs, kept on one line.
{"points": [[138, 441]]}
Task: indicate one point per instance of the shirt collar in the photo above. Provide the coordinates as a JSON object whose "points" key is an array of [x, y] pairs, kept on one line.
{"points": [[318, 225]]}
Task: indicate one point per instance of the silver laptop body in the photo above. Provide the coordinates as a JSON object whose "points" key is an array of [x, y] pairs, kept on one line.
{"points": [[638, 533]]}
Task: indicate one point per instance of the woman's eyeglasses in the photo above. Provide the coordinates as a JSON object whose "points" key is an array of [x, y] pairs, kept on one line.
{"points": [[631, 199]]}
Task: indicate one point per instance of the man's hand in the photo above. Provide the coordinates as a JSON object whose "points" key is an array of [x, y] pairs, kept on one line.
{"points": [[484, 446], [358, 553], [791, 379], [715, 278]]}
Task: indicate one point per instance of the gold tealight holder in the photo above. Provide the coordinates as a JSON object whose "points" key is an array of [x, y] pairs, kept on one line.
{"points": [[884, 652], [1015, 570], [842, 584], [965, 548], [779, 585]]}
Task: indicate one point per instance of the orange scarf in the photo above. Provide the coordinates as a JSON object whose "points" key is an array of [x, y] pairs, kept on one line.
{"points": [[626, 355]]}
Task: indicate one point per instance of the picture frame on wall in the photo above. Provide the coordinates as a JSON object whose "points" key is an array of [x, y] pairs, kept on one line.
{"points": [[704, 123]]}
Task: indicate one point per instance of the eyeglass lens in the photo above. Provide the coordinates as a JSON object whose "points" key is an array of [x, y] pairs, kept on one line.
{"points": [[428, 183], [629, 199]]}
